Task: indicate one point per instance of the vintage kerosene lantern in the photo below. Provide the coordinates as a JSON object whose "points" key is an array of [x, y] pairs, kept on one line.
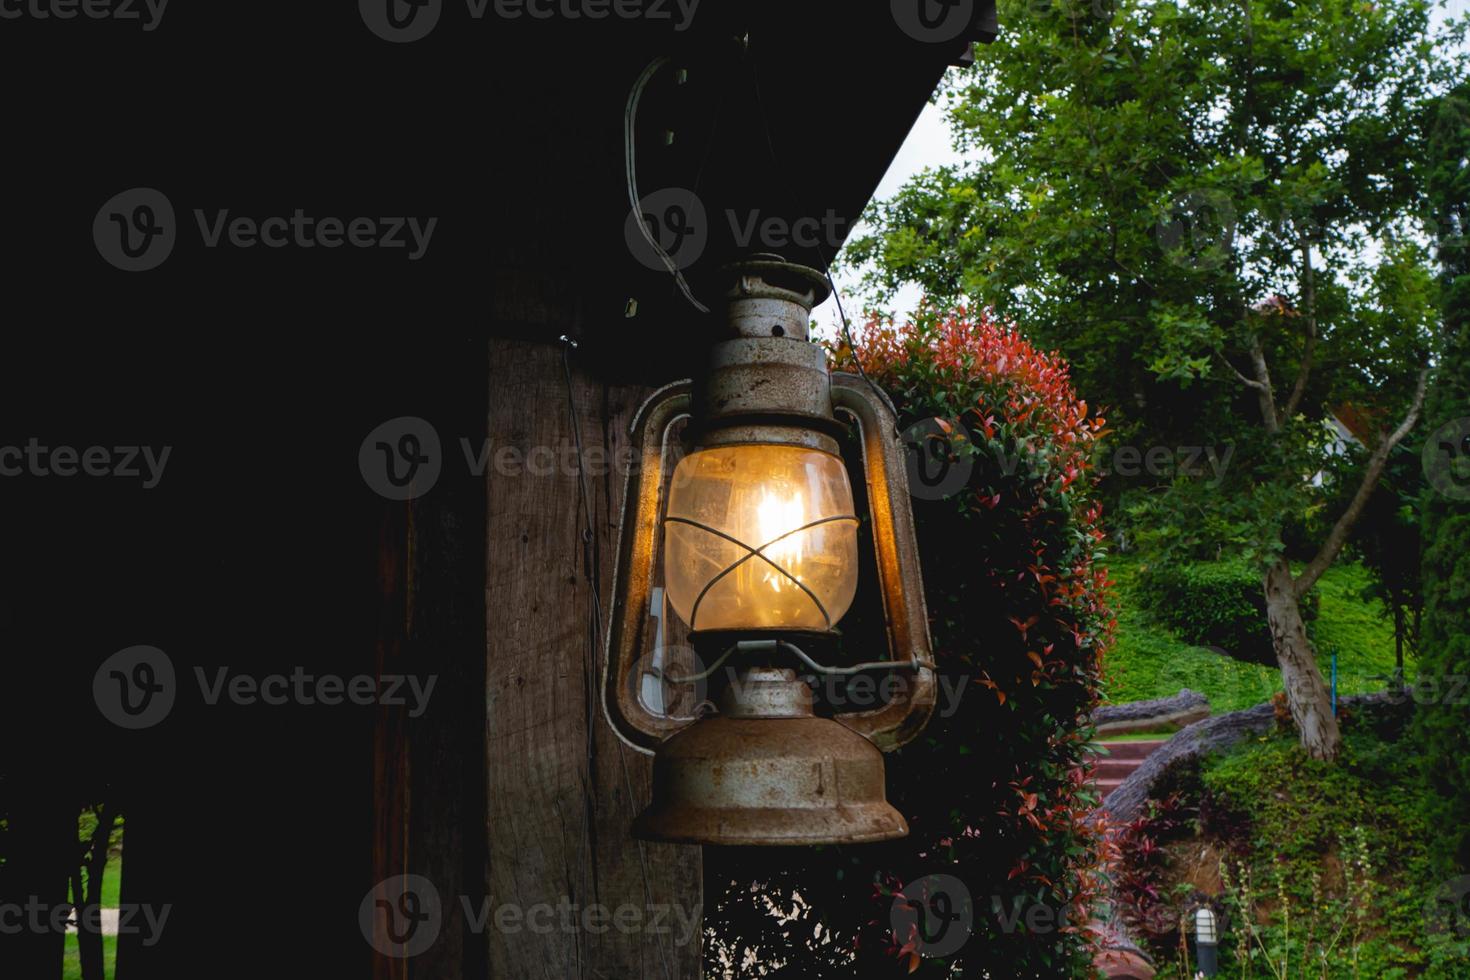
{"points": [[756, 537]]}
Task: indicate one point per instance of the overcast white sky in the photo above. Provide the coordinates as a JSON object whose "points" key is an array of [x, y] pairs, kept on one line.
{"points": [[929, 145]]}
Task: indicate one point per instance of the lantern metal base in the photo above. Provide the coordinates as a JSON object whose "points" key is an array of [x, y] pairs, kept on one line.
{"points": [[768, 773]]}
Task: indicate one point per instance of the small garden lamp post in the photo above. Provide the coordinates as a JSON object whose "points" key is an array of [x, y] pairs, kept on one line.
{"points": [[1206, 941], [757, 539]]}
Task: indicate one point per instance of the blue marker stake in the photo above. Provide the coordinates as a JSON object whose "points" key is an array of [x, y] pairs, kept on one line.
{"points": [[1334, 685]]}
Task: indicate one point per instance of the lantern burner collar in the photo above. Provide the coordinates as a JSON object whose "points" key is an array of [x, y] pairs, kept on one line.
{"points": [[765, 381], [770, 297]]}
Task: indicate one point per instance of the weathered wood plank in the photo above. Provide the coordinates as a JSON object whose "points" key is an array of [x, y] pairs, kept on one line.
{"points": [[562, 790]]}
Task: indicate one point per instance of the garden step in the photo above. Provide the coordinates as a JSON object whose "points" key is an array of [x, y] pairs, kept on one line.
{"points": [[1131, 750], [1120, 768], [1119, 763]]}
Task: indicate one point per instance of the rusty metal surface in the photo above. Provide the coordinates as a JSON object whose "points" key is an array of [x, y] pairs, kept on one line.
{"points": [[767, 382], [897, 550], [768, 773], [768, 291], [766, 692], [765, 376]]}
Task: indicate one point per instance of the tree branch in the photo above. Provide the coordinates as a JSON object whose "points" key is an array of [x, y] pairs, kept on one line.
{"points": [[1337, 537], [1236, 371], [1264, 393], [1309, 298]]}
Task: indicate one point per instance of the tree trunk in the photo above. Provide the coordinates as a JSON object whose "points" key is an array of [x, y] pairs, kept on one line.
{"points": [[1306, 693]]}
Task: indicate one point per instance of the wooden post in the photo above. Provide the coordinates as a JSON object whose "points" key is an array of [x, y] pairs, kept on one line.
{"points": [[571, 894]]}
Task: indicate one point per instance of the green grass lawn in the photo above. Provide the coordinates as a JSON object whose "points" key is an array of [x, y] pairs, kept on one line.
{"points": [[71, 964], [71, 968], [1147, 660]]}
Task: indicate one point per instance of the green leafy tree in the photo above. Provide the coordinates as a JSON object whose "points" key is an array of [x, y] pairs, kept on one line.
{"points": [[1215, 212], [1445, 649]]}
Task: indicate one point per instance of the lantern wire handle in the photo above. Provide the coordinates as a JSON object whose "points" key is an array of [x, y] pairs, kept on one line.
{"points": [[770, 646], [630, 166]]}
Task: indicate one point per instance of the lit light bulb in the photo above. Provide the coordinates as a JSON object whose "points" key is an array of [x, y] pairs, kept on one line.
{"points": [[780, 521], [760, 537]]}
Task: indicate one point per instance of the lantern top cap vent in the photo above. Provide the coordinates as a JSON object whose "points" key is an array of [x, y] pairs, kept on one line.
{"points": [[769, 296]]}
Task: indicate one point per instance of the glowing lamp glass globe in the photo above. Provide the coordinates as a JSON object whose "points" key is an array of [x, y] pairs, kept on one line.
{"points": [[760, 537]]}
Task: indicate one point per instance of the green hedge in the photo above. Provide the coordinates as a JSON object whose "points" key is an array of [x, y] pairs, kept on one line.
{"points": [[1219, 604], [1445, 641]]}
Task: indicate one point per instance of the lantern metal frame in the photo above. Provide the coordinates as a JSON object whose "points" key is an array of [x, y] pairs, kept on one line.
{"points": [[768, 384]]}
